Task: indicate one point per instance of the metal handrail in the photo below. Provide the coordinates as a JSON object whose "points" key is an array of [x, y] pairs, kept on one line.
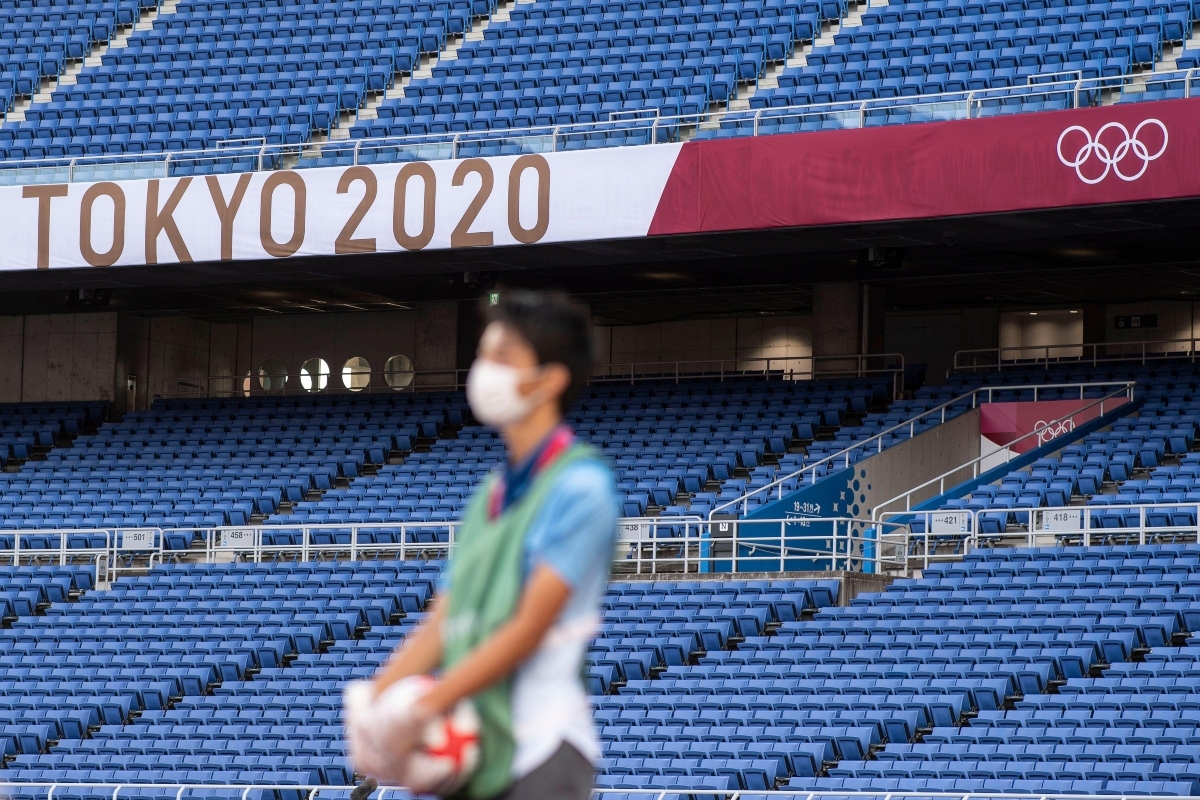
{"points": [[102, 557], [684, 545], [1074, 526], [645, 545], [910, 424], [975, 464], [631, 371], [858, 108], [1143, 350]]}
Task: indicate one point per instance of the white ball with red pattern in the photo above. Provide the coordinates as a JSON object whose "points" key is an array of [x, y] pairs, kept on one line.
{"points": [[449, 748]]}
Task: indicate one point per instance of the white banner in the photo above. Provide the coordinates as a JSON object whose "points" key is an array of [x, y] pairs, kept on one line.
{"points": [[477, 202]]}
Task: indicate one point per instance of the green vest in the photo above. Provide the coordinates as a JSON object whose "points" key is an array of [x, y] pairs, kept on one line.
{"points": [[485, 587]]}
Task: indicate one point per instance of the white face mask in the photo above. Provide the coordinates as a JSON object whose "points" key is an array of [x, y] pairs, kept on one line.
{"points": [[493, 395]]}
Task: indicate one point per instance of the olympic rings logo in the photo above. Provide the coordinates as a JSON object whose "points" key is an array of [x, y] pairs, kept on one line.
{"points": [[1130, 146], [1047, 431]]}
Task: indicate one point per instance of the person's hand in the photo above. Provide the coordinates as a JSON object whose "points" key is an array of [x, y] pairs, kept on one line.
{"points": [[359, 702], [399, 730], [383, 729]]}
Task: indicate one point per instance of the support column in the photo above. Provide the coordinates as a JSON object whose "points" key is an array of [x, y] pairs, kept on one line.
{"points": [[1093, 323], [847, 321], [470, 328]]}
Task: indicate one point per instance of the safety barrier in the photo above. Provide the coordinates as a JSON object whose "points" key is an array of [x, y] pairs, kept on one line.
{"points": [[645, 545], [68, 546], [947, 534], [782, 367], [1142, 351]]}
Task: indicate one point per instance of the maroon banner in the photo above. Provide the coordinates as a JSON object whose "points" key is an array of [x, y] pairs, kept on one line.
{"points": [[1083, 157], [1005, 423]]}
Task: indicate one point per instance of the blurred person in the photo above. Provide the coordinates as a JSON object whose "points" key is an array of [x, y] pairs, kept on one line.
{"points": [[518, 603]]}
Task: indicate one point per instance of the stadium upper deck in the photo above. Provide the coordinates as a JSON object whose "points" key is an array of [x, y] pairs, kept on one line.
{"points": [[276, 77]]}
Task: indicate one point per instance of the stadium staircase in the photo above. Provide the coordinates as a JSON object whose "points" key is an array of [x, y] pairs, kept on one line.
{"points": [[1148, 460], [424, 69]]}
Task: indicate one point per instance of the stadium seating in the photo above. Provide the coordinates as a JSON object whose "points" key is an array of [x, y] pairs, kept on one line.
{"points": [[191, 465], [1145, 458], [26, 428], [1060, 670], [209, 463], [216, 72], [40, 38], [678, 448], [952, 48], [571, 62], [1127, 729], [183, 675]]}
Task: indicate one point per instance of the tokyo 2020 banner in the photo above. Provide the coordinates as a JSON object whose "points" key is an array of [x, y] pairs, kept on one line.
{"points": [[1114, 154]]}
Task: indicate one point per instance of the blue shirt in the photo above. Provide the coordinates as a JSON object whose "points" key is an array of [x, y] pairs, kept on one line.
{"points": [[575, 535]]}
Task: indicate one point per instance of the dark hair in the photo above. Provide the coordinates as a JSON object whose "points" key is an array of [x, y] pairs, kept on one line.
{"points": [[557, 328]]}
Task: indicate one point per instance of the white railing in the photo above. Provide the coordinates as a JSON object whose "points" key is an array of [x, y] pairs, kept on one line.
{"points": [[1072, 354], [787, 367], [875, 443], [769, 545], [1038, 526], [254, 791], [975, 465], [1070, 88], [645, 545], [28, 546]]}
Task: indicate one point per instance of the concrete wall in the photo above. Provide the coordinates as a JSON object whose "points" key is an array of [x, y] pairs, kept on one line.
{"points": [[1176, 320], [922, 458], [60, 357], [427, 335], [130, 359], [730, 339], [435, 347], [933, 339], [12, 358], [170, 355], [1036, 329]]}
